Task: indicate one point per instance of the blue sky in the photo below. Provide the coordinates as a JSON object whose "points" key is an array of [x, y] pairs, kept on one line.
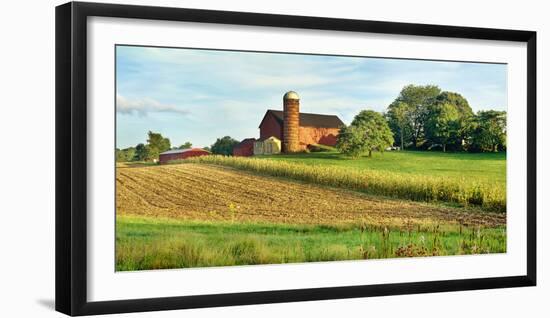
{"points": [[200, 95]]}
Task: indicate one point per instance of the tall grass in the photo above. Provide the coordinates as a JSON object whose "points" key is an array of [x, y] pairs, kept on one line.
{"points": [[153, 243], [464, 192]]}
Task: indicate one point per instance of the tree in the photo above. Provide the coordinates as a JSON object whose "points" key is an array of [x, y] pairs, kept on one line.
{"points": [[151, 153], [419, 99], [158, 142], [125, 155], [457, 100], [119, 157], [351, 141], [398, 116], [464, 120], [224, 146], [145, 153], [130, 153], [442, 126], [140, 153], [489, 131], [186, 145], [368, 132]]}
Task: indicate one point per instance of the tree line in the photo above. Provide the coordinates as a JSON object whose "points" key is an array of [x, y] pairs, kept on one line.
{"points": [[420, 118], [425, 118], [156, 144]]}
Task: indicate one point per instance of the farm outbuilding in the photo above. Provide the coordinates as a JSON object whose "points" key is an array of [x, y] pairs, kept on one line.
{"points": [[178, 154], [245, 148], [267, 146]]}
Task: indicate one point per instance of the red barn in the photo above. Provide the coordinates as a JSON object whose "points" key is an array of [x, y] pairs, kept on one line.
{"points": [[245, 148], [178, 154], [312, 128]]}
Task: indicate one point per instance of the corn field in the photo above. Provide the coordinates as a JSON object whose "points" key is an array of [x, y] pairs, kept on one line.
{"points": [[488, 196]]}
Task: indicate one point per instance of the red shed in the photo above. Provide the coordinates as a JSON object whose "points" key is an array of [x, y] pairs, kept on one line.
{"points": [[245, 148], [178, 154]]}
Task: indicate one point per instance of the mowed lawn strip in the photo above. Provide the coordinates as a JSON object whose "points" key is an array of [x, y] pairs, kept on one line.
{"points": [[208, 192]]}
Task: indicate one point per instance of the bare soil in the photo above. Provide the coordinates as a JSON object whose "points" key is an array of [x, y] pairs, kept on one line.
{"points": [[204, 192]]}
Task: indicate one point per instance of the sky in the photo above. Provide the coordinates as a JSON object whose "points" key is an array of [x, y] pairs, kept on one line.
{"points": [[200, 95]]}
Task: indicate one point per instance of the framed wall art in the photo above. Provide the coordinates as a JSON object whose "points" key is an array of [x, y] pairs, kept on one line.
{"points": [[210, 158]]}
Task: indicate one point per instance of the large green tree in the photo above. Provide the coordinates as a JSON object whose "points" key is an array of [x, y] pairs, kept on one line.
{"points": [[489, 131], [351, 141], [224, 146], [146, 153], [157, 141], [457, 100], [448, 122], [442, 126], [464, 120], [368, 132], [140, 153], [418, 99], [398, 120]]}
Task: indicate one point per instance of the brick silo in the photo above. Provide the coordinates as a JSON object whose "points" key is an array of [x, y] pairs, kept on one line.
{"points": [[291, 122]]}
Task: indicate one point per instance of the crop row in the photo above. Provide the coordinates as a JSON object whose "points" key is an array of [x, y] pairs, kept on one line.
{"points": [[491, 197]]}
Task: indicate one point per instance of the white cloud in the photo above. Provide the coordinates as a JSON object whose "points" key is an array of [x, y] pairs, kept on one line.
{"points": [[143, 106]]}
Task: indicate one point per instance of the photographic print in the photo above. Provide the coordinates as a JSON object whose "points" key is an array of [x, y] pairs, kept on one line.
{"points": [[228, 158]]}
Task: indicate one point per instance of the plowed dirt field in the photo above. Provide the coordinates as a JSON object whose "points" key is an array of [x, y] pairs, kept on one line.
{"points": [[205, 192]]}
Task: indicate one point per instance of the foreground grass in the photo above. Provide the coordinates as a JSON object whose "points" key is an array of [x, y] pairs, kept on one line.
{"points": [[417, 187], [160, 243]]}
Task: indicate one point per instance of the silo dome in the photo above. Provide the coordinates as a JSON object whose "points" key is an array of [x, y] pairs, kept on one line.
{"points": [[291, 95]]}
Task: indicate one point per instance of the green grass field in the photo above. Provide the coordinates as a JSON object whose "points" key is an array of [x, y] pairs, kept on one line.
{"points": [[485, 167], [160, 243]]}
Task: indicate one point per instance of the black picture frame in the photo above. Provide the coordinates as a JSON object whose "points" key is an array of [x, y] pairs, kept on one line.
{"points": [[71, 157]]}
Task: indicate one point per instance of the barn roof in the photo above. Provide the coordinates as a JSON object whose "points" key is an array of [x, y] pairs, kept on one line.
{"points": [[172, 151], [309, 120], [248, 140], [245, 141]]}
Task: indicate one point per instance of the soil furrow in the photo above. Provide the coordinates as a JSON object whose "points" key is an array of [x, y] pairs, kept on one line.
{"points": [[197, 191]]}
